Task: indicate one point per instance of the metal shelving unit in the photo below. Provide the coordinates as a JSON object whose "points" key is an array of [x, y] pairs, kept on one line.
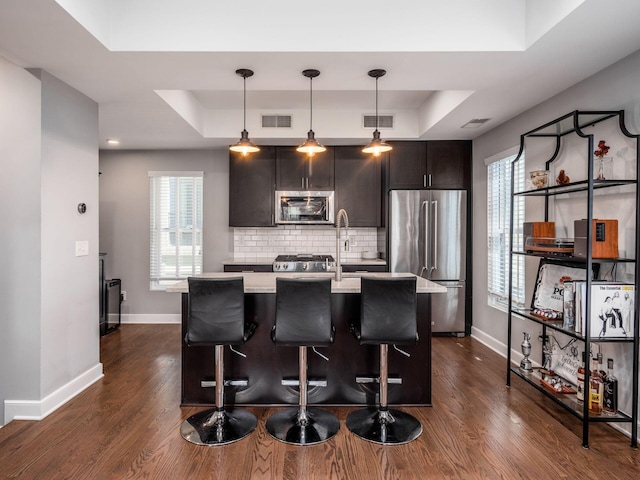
{"points": [[574, 123]]}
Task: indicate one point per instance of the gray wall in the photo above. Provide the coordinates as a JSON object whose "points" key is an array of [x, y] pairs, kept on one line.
{"points": [[70, 335], [124, 221], [20, 141], [49, 319], [614, 88]]}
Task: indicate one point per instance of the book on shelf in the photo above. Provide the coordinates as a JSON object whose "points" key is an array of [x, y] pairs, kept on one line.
{"points": [[612, 309]]}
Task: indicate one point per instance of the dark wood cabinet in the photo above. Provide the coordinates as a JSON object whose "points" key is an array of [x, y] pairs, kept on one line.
{"points": [[358, 186], [442, 164], [355, 268], [449, 164], [408, 165], [236, 267], [251, 188], [268, 365], [297, 171]]}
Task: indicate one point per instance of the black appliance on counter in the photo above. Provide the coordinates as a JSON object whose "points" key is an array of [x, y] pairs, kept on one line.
{"points": [[110, 301], [304, 263]]}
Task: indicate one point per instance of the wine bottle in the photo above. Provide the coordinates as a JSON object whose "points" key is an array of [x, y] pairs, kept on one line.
{"points": [[610, 401], [596, 389]]}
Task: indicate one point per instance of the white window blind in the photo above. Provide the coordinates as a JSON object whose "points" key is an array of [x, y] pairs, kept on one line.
{"points": [[176, 226], [498, 231]]}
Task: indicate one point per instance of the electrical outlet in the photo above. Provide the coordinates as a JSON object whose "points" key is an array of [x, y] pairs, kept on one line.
{"points": [[123, 295]]}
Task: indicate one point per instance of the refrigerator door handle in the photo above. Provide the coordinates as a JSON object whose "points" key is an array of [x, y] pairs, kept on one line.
{"points": [[427, 243], [434, 239]]}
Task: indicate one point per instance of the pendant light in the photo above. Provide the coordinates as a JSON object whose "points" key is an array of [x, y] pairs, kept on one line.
{"points": [[311, 145], [377, 146], [244, 145]]}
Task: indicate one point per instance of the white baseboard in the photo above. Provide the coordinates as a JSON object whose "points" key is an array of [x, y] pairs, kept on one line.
{"points": [[39, 409], [498, 347], [151, 318]]}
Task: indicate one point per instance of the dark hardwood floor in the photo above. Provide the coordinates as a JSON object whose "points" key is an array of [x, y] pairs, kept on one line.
{"points": [[127, 426]]}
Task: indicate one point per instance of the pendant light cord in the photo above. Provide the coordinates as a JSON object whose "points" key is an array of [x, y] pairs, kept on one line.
{"points": [[310, 103], [244, 103], [376, 103]]}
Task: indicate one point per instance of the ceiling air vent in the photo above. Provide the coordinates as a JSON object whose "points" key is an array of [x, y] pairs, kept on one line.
{"points": [[384, 121], [475, 123], [276, 121]]}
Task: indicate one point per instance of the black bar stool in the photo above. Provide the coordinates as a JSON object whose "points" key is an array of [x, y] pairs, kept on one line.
{"points": [[216, 318], [388, 316], [303, 319]]}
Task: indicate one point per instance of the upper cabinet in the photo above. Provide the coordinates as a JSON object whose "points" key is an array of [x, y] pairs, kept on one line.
{"points": [[449, 164], [407, 165], [297, 171], [356, 177], [251, 188], [358, 186], [442, 164]]}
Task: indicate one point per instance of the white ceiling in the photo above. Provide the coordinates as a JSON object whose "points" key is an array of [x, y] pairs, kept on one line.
{"points": [[163, 72]]}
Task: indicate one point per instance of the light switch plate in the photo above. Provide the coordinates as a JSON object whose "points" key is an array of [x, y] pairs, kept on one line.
{"points": [[82, 248]]}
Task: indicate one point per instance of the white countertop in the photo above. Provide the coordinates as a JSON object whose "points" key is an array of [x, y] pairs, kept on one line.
{"points": [[265, 282], [270, 260]]}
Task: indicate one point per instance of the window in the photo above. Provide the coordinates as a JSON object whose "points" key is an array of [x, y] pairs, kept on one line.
{"points": [[176, 226], [498, 218]]}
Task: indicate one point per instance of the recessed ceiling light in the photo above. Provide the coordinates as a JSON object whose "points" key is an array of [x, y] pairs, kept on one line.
{"points": [[113, 141], [475, 123]]}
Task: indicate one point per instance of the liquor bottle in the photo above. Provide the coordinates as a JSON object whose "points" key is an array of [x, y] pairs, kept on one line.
{"points": [[596, 388], [580, 386], [610, 402], [601, 370]]}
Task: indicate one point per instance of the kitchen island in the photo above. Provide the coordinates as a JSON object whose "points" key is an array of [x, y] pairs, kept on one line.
{"points": [[266, 365]]}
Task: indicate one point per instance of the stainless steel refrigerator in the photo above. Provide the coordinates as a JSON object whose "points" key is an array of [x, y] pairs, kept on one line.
{"points": [[428, 237]]}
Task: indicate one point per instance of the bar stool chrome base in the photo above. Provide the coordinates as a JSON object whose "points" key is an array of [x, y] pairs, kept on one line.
{"points": [[386, 427], [293, 426], [218, 427]]}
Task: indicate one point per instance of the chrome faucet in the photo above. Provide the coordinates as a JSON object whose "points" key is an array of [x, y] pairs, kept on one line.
{"points": [[342, 214]]}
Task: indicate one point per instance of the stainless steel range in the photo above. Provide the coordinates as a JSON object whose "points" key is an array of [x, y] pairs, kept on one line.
{"points": [[304, 263]]}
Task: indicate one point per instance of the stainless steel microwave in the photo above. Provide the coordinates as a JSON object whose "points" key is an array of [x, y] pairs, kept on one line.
{"points": [[305, 207]]}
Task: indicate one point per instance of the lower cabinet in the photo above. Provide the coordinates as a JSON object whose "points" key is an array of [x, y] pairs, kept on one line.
{"points": [[249, 268], [357, 268]]}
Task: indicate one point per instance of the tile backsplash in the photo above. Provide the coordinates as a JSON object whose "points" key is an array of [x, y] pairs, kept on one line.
{"points": [[254, 243]]}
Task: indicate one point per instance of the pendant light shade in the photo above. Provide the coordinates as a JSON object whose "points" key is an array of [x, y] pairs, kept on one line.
{"points": [[244, 145], [311, 145], [377, 145]]}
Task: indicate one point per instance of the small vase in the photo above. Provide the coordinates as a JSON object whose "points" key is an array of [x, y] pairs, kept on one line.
{"points": [[603, 168]]}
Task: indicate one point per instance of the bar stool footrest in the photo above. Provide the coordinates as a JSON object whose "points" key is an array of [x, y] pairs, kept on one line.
{"points": [[312, 382], [371, 379], [227, 383]]}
